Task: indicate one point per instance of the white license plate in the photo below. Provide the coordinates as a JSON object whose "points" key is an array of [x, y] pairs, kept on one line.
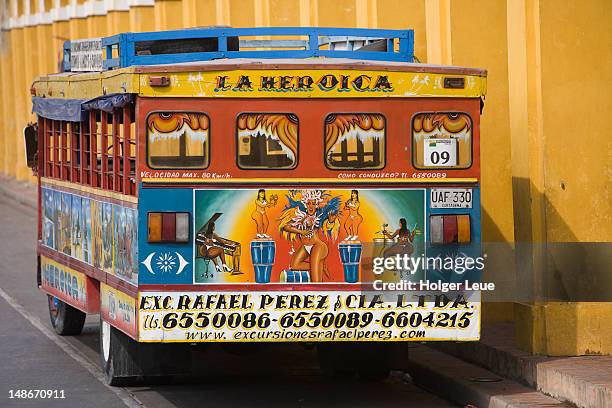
{"points": [[451, 198], [440, 152]]}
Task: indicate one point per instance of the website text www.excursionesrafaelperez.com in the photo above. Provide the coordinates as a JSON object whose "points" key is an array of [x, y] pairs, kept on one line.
{"points": [[306, 335]]}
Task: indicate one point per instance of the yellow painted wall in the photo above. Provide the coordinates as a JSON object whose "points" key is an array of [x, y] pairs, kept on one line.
{"points": [[577, 60], [546, 151]]}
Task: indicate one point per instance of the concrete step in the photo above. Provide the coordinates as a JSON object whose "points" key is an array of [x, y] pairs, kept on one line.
{"points": [[583, 381], [469, 385]]}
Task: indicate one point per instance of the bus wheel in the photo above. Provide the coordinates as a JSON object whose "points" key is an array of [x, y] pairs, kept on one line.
{"points": [[126, 361], [65, 319]]}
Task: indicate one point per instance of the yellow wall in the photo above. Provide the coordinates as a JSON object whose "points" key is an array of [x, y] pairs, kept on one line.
{"points": [[577, 61], [546, 151]]}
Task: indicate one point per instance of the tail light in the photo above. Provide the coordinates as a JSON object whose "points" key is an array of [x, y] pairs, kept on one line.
{"points": [[168, 227], [450, 229]]}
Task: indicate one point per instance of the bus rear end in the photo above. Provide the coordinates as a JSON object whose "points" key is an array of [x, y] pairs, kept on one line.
{"points": [[338, 207]]}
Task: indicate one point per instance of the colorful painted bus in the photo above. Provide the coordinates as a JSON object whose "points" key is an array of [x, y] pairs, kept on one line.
{"points": [[264, 185]]}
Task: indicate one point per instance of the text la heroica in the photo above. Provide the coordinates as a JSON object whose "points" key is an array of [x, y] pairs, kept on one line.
{"points": [[304, 83]]}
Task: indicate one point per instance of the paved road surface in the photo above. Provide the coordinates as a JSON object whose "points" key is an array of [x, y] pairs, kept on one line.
{"points": [[33, 357]]}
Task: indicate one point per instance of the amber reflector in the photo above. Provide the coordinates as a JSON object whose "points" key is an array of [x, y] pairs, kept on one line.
{"points": [[463, 229], [155, 227]]}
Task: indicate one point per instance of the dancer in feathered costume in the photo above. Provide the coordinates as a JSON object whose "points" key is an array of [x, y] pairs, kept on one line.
{"points": [[301, 220]]}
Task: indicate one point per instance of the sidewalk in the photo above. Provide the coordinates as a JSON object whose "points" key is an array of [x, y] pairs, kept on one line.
{"points": [[581, 381], [469, 385]]}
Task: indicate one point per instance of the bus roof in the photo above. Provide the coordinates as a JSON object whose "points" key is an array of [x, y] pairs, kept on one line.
{"points": [[292, 62], [201, 79]]}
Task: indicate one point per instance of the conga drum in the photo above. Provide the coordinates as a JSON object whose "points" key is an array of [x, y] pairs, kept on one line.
{"points": [[290, 276], [262, 256], [350, 255]]}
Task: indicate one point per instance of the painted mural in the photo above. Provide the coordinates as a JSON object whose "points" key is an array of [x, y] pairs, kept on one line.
{"points": [[63, 212], [267, 140], [86, 242], [126, 243], [96, 227], [309, 235], [107, 237], [177, 139], [48, 218], [100, 234], [63, 281], [355, 141]]}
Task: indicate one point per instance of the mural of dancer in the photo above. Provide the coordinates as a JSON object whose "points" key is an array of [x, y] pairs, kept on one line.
{"points": [[331, 226], [259, 215], [303, 217], [306, 239], [404, 240], [353, 219]]}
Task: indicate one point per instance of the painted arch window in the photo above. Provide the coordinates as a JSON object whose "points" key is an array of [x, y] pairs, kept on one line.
{"points": [[178, 140], [355, 141], [442, 140], [267, 140]]}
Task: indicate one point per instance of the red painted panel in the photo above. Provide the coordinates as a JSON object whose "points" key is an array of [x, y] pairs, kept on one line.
{"points": [[450, 229], [168, 227]]}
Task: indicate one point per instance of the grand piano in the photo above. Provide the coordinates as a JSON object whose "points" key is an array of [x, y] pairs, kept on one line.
{"points": [[230, 248]]}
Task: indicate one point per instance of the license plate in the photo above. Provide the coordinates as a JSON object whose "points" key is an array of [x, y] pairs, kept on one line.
{"points": [[440, 152], [451, 198]]}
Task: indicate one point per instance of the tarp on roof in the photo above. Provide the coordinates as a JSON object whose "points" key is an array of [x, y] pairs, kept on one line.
{"points": [[75, 110], [108, 103], [59, 109]]}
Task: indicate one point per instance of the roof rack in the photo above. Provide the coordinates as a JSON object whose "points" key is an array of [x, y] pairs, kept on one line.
{"points": [[203, 44]]}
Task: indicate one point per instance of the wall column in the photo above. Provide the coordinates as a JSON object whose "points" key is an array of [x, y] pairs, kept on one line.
{"points": [[438, 31]]}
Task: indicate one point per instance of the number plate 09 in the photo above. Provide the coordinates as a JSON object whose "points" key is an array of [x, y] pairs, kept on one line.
{"points": [[440, 152]]}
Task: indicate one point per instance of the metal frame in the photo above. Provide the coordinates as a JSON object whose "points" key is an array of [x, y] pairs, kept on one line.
{"points": [[124, 45]]}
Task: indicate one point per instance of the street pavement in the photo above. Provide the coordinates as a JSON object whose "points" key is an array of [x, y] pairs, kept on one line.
{"points": [[33, 357]]}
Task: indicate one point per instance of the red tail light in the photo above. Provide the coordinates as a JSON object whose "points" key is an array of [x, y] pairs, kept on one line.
{"points": [[449, 229]]}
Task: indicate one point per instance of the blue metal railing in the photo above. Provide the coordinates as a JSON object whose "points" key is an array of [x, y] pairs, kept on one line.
{"points": [[120, 50]]}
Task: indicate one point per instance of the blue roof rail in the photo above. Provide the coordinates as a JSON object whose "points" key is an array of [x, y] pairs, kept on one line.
{"points": [[203, 44]]}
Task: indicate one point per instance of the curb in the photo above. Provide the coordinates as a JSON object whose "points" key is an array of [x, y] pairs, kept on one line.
{"points": [[471, 386], [584, 381]]}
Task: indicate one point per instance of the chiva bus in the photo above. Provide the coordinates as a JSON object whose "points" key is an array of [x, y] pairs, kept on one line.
{"points": [[289, 83]]}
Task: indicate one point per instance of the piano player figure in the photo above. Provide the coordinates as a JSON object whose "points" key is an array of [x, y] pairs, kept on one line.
{"points": [[213, 247]]}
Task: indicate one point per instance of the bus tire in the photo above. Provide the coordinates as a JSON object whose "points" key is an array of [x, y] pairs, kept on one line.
{"points": [[126, 361], [65, 319], [113, 355]]}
